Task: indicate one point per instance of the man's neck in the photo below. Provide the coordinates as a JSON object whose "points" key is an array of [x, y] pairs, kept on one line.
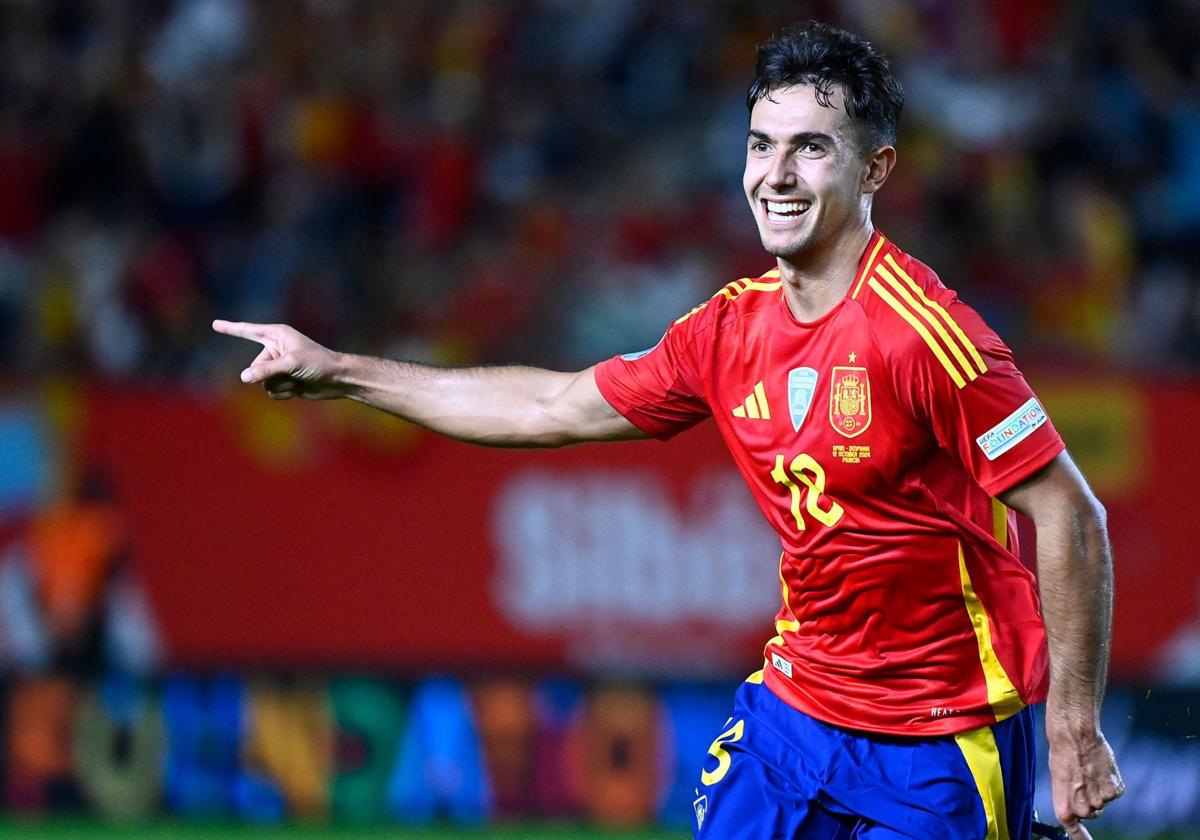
{"points": [[814, 284]]}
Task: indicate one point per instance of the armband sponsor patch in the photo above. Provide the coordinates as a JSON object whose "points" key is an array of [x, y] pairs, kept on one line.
{"points": [[1012, 429]]}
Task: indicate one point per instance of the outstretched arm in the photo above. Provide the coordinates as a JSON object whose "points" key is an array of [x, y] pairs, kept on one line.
{"points": [[1076, 583], [490, 406]]}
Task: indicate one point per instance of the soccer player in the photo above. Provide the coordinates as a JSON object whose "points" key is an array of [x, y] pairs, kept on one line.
{"points": [[887, 435]]}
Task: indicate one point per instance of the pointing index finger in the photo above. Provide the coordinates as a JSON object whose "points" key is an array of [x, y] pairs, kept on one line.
{"points": [[252, 332]]}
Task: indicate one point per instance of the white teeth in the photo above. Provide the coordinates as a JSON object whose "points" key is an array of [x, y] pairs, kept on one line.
{"points": [[780, 211]]}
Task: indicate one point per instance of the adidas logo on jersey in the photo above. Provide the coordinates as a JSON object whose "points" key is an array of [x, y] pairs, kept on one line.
{"points": [[755, 406], [782, 665]]}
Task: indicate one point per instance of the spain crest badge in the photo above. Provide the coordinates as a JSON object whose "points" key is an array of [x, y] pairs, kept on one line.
{"points": [[850, 401]]}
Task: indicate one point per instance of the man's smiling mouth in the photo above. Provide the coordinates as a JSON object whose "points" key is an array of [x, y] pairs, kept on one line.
{"points": [[785, 211]]}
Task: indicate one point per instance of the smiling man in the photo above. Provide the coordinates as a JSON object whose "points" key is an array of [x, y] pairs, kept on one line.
{"points": [[887, 436]]}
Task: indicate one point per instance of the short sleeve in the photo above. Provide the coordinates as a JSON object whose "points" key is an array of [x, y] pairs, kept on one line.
{"points": [[960, 378], [659, 390]]}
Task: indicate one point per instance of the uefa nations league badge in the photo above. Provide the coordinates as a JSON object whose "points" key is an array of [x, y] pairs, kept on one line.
{"points": [[802, 384]]}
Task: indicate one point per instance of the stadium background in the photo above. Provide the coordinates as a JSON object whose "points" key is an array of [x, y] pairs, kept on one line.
{"points": [[224, 612]]}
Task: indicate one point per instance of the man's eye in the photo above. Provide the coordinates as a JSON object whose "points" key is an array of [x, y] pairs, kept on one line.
{"points": [[812, 148], [758, 147]]}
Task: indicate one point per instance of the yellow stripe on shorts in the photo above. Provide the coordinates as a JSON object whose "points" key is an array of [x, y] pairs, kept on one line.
{"points": [[983, 758]]}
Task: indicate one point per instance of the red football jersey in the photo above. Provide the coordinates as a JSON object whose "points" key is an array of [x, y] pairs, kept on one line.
{"points": [[873, 439]]}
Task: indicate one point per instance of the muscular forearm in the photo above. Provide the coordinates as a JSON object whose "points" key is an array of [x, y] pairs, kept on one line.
{"points": [[1076, 581], [496, 406], [491, 406]]}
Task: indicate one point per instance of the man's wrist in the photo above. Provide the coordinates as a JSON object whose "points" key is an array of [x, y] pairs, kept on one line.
{"points": [[350, 374], [1071, 725]]}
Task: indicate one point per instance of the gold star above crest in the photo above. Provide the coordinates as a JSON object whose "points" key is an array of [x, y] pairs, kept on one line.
{"points": [[853, 356]]}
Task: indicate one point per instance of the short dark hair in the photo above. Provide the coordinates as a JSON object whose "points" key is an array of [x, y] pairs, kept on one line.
{"points": [[824, 56]]}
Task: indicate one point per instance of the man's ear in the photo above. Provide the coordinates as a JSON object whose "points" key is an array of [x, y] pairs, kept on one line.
{"points": [[879, 166]]}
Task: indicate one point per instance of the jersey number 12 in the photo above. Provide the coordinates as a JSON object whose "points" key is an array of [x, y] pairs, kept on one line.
{"points": [[805, 470]]}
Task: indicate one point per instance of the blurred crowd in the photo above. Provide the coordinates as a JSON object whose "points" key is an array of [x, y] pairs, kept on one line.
{"points": [[553, 181]]}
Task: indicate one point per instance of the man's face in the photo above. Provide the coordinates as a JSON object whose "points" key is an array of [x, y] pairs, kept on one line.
{"points": [[803, 173]]}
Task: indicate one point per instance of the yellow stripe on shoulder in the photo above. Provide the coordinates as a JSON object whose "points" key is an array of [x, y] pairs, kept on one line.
{"points": [[752, 284], [689, 314], [733, 291], [924, 312], [867, 268], [759, 286], [904, 312], [940, 310]]}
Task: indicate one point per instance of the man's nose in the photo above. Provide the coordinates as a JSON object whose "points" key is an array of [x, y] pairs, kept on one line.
{"points": [[782, 174]]}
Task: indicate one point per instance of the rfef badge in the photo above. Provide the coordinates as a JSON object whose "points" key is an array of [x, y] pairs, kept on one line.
{"points": [[850, 401], [802, 384]]}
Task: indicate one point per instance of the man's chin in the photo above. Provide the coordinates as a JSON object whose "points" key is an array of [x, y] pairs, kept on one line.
{"points": [[786, 248]]}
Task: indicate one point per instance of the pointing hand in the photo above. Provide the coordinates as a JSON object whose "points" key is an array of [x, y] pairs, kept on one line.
{"points": [[290, 364]]}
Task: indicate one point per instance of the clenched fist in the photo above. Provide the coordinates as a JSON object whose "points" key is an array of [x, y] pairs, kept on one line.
{"points": [[1084, 778]]}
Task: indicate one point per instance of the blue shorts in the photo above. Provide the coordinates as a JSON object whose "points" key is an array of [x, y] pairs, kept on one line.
{"points": [[774, 773]]}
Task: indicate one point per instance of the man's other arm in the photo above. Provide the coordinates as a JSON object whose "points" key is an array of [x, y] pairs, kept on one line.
{"points": [[490, 406], [1075, 580]]}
